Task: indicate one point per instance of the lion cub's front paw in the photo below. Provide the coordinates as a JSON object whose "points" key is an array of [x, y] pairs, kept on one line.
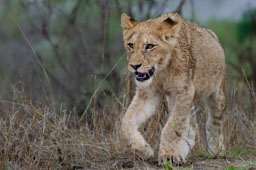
{"points": [[177, 154], [144, 152], [177, 159]]}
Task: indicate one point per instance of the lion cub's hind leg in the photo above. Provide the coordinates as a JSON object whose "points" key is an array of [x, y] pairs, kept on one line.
{"points": [[214, 125]]}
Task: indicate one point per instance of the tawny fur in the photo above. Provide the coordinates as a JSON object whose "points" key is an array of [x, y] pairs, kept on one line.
{"points": [[189, 66]]}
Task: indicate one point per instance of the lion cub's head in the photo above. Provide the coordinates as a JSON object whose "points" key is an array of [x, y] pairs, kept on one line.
{"points": [[149, 45]]}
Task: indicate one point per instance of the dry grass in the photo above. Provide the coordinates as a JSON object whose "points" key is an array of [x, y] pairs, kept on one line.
{"points": [[34, 136]]}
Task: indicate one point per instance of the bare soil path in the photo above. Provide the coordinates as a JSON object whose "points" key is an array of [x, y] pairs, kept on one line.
{"points": [[196, 164]]}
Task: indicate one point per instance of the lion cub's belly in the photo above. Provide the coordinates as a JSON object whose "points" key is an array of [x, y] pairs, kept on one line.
{"points": [[204, 88], [207, 78]]}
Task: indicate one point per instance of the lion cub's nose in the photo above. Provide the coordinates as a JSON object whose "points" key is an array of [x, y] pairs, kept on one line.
{"points": [[136, 66]]}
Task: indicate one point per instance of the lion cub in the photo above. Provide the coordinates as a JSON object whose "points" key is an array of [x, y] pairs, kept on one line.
{"points": [[183, 62]]}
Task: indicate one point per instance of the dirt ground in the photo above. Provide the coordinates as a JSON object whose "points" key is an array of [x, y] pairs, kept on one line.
{"points": [[194, 163]]}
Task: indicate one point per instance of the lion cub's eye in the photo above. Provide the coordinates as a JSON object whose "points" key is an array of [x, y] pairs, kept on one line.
{"points": [[150, 47], [130, 45]]}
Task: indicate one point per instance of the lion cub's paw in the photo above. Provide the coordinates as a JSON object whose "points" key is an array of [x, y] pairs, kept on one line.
{"points": [[145, 152], [177, 154], [175, 159]]}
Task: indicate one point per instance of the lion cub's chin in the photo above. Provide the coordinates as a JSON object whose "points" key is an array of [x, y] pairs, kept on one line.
{"points": [[144, 83]]}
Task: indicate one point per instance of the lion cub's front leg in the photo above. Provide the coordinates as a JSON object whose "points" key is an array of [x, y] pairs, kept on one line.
{"points": [[142, 107], [177, 138]]}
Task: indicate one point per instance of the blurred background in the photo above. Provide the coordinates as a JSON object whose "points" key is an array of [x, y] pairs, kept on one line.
{"points": [[71, 51]]}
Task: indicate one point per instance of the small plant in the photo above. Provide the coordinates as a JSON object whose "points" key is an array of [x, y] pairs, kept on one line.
{"points": [[168, 166], [206, 155], [232, 168]]}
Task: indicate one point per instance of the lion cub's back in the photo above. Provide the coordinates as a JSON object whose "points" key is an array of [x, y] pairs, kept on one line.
{"points": [[210, 60]]}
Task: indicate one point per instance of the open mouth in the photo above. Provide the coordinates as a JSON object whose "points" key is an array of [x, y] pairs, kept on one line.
{"points": [[144, 76]]}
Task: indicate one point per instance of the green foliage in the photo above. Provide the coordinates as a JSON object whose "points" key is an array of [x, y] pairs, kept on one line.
{"points": [[233, 168], [204, 154], [176, 125], [247, 27], [168, 166], [226, 30]]}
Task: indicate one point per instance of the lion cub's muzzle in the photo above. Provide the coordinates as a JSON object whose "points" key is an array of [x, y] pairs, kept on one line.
{"points": [[144, 76]]}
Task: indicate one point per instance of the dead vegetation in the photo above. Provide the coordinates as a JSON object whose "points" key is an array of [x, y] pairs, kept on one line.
{"points": [[35, 136]]}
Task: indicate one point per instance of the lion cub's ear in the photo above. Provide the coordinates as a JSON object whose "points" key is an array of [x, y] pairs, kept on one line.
{"points": [[127, 22], [169, 26]]}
